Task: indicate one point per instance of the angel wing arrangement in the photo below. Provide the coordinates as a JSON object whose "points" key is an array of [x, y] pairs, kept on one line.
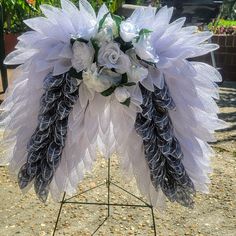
{"points": [[89, 82]]}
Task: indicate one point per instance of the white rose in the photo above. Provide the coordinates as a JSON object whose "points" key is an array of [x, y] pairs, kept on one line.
{"points": [[110, 56], [94, 81], [83, 55], [145, 51], [122, 94], [128, 31]]}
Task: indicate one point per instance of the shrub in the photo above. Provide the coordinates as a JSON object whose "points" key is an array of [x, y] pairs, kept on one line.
{"points": [[223, 27], [15, 11]]}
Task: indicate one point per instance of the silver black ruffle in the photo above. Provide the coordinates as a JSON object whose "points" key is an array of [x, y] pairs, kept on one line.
{"points": [[162, 150], [46, 144]]}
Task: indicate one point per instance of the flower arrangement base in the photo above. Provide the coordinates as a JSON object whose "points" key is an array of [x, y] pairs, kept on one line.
{"points": [[108, 204]]}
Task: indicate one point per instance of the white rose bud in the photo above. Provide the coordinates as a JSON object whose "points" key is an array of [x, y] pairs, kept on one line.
{"points": [[122, 94], [83, 55], [128, 31], [111, 26], [108, 31], [110, 56]]}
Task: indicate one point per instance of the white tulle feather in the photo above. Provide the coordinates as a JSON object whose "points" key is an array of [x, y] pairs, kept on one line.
{"points": [[19, 118]]}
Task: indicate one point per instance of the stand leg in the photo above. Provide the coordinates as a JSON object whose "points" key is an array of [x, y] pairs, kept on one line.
{"points": [[108, 183], [59, 213], [153, 222], [108, 186]]}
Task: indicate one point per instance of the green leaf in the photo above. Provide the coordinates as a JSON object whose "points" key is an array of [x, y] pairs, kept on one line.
{"points": [[96, 48], [143, 32], [101, 22], [75, 74], [126, 102], [124, 46], [129, 84], [124, 79], [147, 62], [117, 20], [108, 92], [72, 40], [150, 63]]}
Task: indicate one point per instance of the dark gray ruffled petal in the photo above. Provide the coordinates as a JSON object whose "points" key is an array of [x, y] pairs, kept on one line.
{"points": [[53, 82], [162, 150], [63, 110], [41, 187], [35, 156], [46, 120], [46, 144], [23, 177]]}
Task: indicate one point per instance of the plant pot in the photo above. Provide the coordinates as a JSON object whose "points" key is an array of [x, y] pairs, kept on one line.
{"points": [[10, 40]]}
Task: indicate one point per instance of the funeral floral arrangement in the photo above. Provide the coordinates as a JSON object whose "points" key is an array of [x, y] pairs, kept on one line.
{"points": [[90, 81]]}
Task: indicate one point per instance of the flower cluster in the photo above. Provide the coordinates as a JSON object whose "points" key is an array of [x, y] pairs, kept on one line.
{"points": [[112, 60]]}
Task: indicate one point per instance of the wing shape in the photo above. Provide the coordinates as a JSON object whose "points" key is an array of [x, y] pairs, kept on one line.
{"points": [[133, 91]]}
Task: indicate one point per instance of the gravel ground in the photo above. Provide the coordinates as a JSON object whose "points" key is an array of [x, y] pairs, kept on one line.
{"points": [[213, 214]]}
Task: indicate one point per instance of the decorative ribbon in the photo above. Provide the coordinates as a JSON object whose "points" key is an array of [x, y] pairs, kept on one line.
{"points": [[162, 150], [46, 144]]}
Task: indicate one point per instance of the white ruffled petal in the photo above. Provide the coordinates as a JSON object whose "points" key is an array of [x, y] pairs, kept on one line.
{"points": [[103, 10], [19, 56], [61, 66], [86, 7]]}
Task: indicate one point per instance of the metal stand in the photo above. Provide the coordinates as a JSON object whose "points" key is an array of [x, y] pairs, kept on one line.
{"points": [[108, 183]]}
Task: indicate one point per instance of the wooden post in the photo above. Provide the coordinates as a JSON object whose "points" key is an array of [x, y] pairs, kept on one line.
{"points": [[2, 53]]}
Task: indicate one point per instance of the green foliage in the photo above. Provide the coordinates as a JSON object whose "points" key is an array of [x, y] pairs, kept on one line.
{"points": [[109, 91], [143, 33], [117, 20], [223, 26], [15, 11], [228, 10], [101, 22], [126, 102], [225, 23], [153, 3]]}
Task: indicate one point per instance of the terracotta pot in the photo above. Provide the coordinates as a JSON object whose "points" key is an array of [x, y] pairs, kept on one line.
{"points": [[10, 42]]}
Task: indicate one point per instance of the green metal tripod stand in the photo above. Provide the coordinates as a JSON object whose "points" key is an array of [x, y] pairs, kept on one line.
{"points": [[108, 203]]}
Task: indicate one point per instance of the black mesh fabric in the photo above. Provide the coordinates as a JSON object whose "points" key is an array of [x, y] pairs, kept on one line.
{"points": [[162, 150], [46, 144]]}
